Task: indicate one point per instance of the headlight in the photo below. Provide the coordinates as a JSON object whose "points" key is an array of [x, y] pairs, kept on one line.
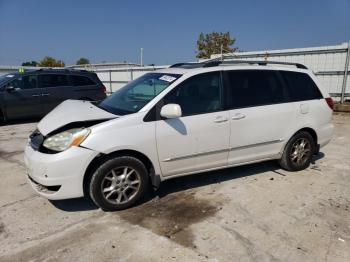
{"points": [[66, 139]]}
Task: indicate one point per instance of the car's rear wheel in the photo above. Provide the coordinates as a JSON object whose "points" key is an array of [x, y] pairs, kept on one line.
{"points": [[298, 152], [119, 183], [2, 117]]}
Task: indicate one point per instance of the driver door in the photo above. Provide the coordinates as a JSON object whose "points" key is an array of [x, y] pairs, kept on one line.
{"points": [[24, 99], [199, 139]]}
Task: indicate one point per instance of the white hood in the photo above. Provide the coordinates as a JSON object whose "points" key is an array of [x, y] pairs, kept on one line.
{"points": [[71, 111]]}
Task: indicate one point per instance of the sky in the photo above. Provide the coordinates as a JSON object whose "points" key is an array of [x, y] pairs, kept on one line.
{"points": [[166, 30]]}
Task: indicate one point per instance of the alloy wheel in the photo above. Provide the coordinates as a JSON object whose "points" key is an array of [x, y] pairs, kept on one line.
{"points": [[120, 185], [301, 151]]}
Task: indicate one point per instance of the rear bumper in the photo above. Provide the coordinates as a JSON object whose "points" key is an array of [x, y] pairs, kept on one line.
{"points": [[325, 134], [58, 176]]}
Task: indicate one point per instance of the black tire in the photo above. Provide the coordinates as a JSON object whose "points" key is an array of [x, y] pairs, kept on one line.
{"points": [[2, 117], [295, 157], [110, 178]]}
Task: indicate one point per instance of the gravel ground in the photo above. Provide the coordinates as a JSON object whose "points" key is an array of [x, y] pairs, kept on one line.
{"points": [[252, 213]]}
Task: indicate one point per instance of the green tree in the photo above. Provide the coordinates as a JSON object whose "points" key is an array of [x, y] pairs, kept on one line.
{"points": [[211, 43], [49, 61], [30, 63], [83, 61]]}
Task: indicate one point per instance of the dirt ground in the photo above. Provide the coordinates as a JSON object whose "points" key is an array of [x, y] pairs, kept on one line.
{"points": [[252, 213]]}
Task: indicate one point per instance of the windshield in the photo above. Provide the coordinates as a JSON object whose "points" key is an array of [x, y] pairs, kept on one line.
{"points": [[4, 78], [136, 94]]}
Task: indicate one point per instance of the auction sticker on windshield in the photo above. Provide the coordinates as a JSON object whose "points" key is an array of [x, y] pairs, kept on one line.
{"points": [[167, 78]]}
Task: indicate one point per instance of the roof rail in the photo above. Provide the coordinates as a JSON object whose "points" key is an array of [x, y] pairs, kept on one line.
{"points": [[216, 62], [263, 63]]}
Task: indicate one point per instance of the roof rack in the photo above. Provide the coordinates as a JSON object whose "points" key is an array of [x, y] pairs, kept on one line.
{"points": [[61, 69], [196, 65], [216, 62]]}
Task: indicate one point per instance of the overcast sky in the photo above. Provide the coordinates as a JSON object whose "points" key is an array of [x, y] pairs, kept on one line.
{"points": [[167, 30]]}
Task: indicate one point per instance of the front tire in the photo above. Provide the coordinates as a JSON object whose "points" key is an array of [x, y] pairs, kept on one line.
{"points": [[297, 154], [119, 183]]}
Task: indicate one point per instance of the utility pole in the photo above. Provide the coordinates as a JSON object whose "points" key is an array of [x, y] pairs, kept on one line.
{"points": [[221, 47], [141, 56], [346, 69]]}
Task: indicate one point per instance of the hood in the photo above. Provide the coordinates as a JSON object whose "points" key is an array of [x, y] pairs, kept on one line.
{"points": [[71, 111]]}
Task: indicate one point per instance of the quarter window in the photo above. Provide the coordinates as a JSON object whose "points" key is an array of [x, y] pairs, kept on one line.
{"points": [[249, 88], [54, 80], [301, 86], [82, 81], [197, 95]]}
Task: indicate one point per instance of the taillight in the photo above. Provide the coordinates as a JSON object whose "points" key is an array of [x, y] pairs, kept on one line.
{"points": [[103, 89], [330, 102]]}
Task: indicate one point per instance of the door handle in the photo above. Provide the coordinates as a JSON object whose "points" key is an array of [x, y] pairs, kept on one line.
{"points": [[238, 116], [220, 119], [45, 94], [35, 95]]}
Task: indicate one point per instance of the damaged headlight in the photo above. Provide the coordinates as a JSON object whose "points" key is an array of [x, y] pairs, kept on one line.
{"points": [[64, 140]]}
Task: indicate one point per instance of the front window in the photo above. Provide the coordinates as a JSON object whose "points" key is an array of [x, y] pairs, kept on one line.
{"points": [[199, 94], [7, 77], [25, 82], [136, 94]]}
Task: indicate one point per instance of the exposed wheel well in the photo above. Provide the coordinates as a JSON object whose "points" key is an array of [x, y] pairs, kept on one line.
{"points": [[103, 157]]}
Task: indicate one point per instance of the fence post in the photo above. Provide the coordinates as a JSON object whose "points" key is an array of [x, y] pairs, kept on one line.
{"points": [[110, 81], [346, 69]]}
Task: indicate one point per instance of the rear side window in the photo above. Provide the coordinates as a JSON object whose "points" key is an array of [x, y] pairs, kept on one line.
{"points": [[248, 88], [82, 81], [53, 80], [301, 86]]}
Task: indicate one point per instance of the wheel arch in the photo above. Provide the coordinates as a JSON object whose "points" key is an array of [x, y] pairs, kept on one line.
{"points": [[310, 130], [99, 159]]}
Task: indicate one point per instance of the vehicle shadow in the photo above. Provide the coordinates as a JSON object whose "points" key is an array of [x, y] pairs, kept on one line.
{"points": [[214, 177], [187, 182], [74, 205]]}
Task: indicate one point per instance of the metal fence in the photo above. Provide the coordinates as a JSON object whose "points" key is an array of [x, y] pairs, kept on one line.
{"points": [[114, 79], [329, 63]]}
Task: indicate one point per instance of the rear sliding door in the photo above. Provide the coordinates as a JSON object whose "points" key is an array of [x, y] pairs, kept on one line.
{"points": [[261, 115]]}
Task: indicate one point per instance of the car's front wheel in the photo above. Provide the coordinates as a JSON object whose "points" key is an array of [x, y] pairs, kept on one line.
{"points": [[119, 183], [298, 152]]}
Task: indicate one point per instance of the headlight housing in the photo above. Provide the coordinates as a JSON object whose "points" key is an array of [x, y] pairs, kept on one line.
{"points": [[64, 140]]}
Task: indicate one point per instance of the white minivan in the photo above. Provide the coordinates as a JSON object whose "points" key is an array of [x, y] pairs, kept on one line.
{"points": [[186, 119]]}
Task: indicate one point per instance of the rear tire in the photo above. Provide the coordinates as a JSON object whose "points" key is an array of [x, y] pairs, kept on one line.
{"points": [[119, 183], [2, 117], [297, 154]]}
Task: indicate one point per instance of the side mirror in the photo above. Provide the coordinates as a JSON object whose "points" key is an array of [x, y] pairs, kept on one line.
{"points": [[10, 88], [171, 111]]}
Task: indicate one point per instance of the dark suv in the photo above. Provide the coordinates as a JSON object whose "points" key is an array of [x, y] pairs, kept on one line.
{"points": [[34, 93]]}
